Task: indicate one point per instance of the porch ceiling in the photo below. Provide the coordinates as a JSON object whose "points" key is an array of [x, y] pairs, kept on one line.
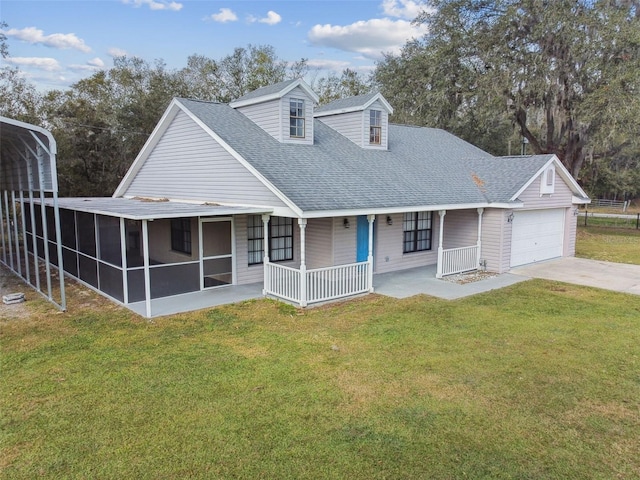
{"points": [[136, 209]]}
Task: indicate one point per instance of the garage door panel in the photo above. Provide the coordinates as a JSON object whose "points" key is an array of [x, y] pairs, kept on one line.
{"points": [[536, 235]]}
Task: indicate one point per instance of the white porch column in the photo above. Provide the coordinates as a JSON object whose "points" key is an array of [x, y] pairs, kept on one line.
{"points": [[145, 257], [265, 244], [371, 219], [441, 214], [302, 223], [480, 211]]}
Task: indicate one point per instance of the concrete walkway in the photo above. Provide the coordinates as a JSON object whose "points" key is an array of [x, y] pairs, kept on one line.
{"points": [[407, 283], [620, 277]]}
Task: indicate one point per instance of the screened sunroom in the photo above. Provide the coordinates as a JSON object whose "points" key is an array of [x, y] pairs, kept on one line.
{"points": [[137, 251]]}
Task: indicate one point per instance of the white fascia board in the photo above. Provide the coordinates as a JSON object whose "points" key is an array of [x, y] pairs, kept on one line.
{"points": [[168, 115], [560, 170], [533, 178], [357, 108], [242, 161], [338, 111], [383, 101], [420, 208], [276, 96], [580, 200]]}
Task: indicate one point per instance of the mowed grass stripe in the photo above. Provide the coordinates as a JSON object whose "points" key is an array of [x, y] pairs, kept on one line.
{"points": [[539, 380]]}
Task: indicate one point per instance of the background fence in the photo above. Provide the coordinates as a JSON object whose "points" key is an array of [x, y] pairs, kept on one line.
{"points": [[591, 219]]}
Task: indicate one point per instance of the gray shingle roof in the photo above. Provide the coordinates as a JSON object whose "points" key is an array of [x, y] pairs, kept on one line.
{"points": [[422, 167], [346, 103], [268, 90], [500, 178]]}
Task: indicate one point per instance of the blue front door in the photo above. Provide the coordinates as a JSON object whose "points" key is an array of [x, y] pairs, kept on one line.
{"points": [[362, 239]]}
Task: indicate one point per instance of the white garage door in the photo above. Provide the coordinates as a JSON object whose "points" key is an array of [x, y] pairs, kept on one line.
{"points": [[536, 235]]}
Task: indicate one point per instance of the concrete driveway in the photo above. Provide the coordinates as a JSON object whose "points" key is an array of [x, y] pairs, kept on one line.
{"points": [[619, 277]]}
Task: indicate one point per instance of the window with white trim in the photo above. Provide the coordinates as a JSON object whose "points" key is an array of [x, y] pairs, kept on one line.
{"points": [[255, 239], [280, 239], [417, 232], [296, 118], [375, 127]]}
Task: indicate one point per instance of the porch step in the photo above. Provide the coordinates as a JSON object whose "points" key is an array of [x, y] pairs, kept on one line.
{"points": [[13, 298]]}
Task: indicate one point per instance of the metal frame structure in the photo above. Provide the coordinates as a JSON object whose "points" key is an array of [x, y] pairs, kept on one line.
{"points": [[28, 167]]}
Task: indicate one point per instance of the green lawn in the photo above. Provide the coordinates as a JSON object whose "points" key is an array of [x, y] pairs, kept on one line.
{"points": [[610, 244], [538, 380]]}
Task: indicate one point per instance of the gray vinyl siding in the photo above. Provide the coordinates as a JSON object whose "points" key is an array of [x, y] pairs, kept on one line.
{"points": [[344, 240], [246, 273], [188, 164], [570, 233], [297, 93], [266, 115], [355, 126], [561, 197], [388, 254], [460, 228], [160, 243], [318, 235], [349, 125], [493, 240], [384, 133]]}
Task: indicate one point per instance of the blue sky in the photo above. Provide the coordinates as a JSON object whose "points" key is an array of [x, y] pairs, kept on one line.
{"points": [[58, 42]]}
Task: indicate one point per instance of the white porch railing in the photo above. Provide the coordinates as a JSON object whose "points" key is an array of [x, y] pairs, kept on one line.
{"points": [[282, 282], [458, 260], [322, 284], [330, 283]]}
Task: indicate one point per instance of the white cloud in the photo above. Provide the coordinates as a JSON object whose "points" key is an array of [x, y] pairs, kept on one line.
{"points": [[325, 64], [116, 52], [272, 18], [96, 62], [62, 41], [225, 15], [40, 63], [370, 38], [155, 4], [407, 9]]}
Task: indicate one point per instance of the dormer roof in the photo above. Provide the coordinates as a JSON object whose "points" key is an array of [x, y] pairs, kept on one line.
{"points": [[273, 92], [352, 104]]}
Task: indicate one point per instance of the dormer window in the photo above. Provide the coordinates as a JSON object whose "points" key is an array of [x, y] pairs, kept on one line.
{"points": [[375, 127], [296, 118]]}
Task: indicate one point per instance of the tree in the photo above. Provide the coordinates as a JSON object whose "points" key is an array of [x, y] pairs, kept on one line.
{"points": [[234, 75], [349, 84], [102, 122], [18, 98], [564, 73]]}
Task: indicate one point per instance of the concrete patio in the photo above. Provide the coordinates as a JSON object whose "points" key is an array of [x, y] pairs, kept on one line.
{"points": [[400, 284]]}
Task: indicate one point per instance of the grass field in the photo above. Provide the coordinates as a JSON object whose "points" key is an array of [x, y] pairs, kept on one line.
{"points": [[610, 244], [538, 380]]}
